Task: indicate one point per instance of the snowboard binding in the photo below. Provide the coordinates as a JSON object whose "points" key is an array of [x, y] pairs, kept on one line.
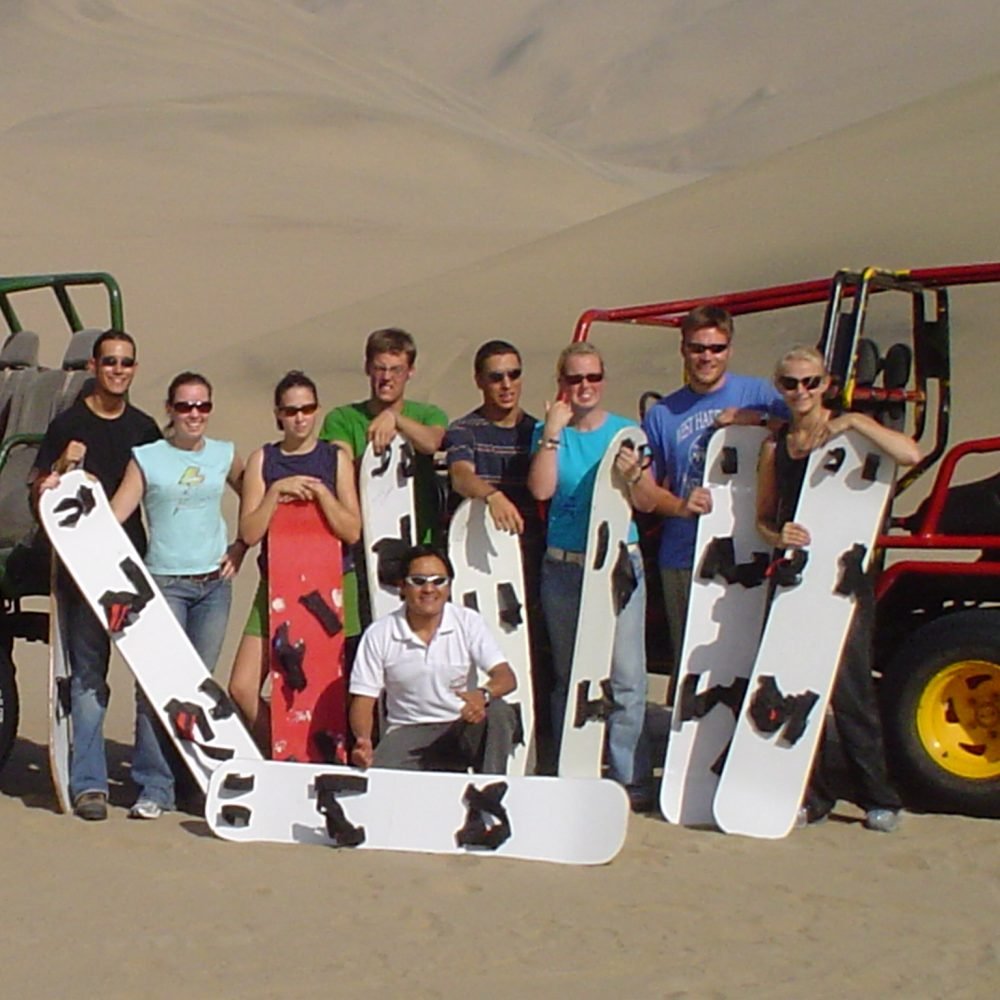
{"points": [[289, 657], [771, 710], [79, 506], [487, 824], [339, 828]]}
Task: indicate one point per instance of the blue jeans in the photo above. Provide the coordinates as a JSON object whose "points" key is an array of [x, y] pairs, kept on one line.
{"points": [[89, 648], [202, 608], [627, 753]]}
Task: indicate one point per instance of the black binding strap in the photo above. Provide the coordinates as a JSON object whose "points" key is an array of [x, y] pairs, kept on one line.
{"points": [[720, 560], [696, 706], [603, 540], [596, 710], [238, 782], [389, 552], [869, 471], [236, 816], [339, 828], [852, 572], [623, 579], [223, 707], [508, 605], [123, 607], [771, 710], [322, 611], [483, 805], [787, 571], [730, 460], [407, 463], [289, 657], [834, 459], [77, 506], [187, 717]]}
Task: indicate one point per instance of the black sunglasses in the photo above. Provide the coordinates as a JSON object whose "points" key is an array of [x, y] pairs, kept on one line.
{"points": [[592, 377], [790, 384], [293, 411], [702, 348], [497, 377], [190, 405], [110, 361]]}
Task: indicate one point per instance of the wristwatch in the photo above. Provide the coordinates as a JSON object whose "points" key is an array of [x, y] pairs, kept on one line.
{"points": [[487, 697]]}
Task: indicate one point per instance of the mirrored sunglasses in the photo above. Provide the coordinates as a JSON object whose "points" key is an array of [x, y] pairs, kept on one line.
{"points": [[419, 580]]}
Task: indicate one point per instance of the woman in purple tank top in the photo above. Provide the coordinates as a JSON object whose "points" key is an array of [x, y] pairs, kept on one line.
{"points": [[299, 467]]}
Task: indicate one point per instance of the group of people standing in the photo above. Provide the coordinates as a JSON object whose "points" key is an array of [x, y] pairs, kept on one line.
{"points": [[421, 654]]}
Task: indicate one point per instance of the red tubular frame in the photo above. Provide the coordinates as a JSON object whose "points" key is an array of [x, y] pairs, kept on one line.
{"points": [[777, 297]]}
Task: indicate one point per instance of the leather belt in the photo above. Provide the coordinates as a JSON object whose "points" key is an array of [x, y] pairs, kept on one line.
{"points": [[565, 555], [216, 574]]}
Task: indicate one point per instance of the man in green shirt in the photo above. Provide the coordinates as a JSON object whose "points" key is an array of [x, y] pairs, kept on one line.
{"points": [[390, 355]]}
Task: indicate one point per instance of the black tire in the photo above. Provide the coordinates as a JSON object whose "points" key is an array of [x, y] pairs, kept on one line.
{"points": [[10, 708], [941, 703]]}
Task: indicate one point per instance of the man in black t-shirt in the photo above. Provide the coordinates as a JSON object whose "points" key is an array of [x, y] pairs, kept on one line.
{"points": [[98, 433], [489, 452]]}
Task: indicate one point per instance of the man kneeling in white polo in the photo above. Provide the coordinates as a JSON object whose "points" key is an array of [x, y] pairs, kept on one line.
{"points": [[444, 678]]}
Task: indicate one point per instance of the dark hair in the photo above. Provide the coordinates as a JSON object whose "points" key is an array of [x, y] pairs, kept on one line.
{"points": [[187, 378], [412, 554], [391, 340], [293, 380], [490, 350], [111, 334], [706, 317]]}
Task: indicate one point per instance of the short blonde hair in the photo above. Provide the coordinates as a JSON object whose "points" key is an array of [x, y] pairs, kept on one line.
{"points": [[800, 352], [581, 348]]}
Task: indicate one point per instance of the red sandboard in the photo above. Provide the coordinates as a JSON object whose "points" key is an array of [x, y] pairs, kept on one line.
{"points": [[306, 605]]}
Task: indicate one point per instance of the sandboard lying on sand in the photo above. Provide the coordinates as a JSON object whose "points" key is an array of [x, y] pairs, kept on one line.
{"points": [[489, 579], [568, 821], [196, 712], [725, 616], [842, 504]]}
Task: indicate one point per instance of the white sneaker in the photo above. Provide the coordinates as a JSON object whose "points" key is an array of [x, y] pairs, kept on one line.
{"points": [[146, 809]]}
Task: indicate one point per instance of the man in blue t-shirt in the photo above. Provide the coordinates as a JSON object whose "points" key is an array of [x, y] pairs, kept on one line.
{"points": [[678, 428]]}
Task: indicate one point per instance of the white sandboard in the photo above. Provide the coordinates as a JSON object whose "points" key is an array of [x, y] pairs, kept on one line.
{"points": [[388, 517], [60, 727], [725, 616], [196, 712], [578, 822], [489, 579], [768, 766], [589, 701]]}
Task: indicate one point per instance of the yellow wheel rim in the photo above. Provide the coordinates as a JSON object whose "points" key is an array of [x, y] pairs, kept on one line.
{"points": [[958, 719]]}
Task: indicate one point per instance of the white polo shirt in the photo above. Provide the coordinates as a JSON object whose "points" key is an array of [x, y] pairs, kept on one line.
{"points": [[422, 680]]}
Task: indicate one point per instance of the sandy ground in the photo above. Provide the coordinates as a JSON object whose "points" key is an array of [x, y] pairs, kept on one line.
{"points": [[271, 181]]}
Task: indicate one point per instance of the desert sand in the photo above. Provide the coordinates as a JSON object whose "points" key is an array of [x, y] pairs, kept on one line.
{"points": [[269, 181]]}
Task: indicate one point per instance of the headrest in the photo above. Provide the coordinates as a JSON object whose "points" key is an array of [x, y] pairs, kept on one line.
{"points": [[20, 350], [81, 346]]}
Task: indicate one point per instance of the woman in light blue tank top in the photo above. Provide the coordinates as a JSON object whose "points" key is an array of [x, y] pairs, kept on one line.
{"points": [[569, 448], [299, 467], [180, 482]]}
